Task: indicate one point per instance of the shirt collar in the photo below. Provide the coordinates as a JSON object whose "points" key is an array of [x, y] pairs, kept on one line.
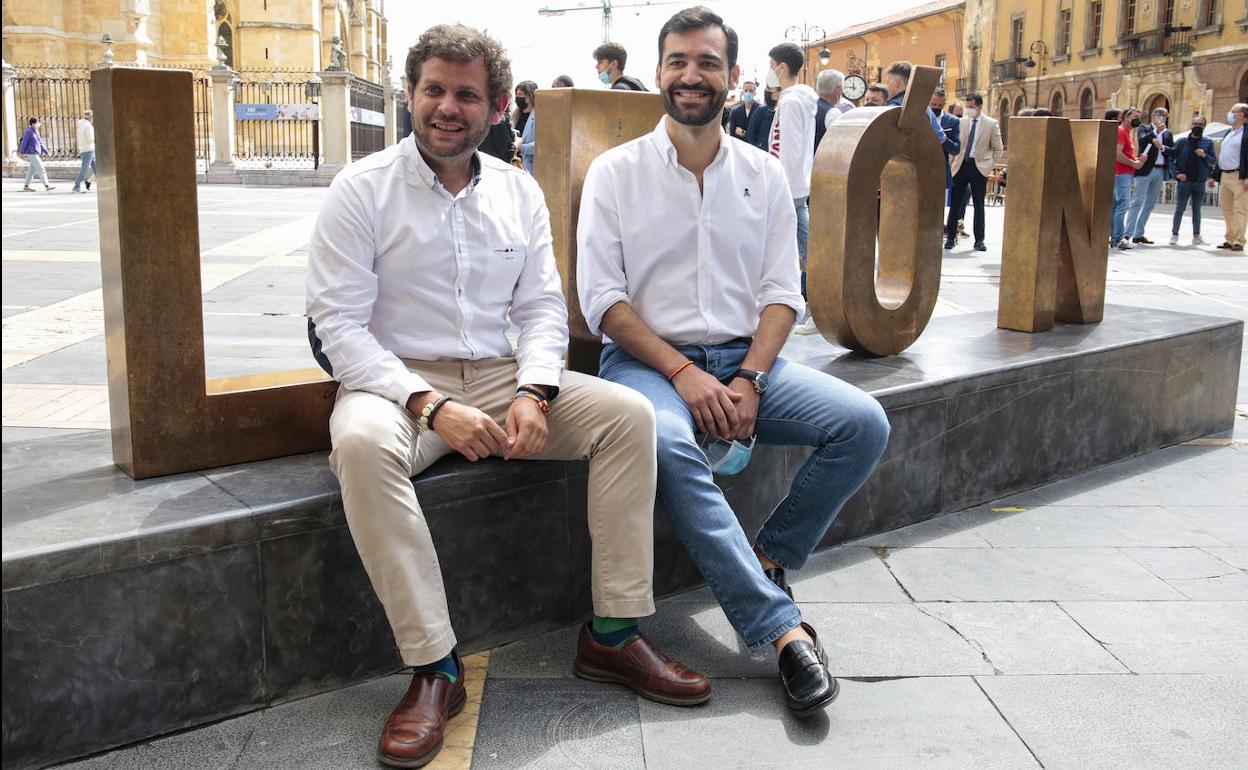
{"points": [[427, 175], [667, 150]]}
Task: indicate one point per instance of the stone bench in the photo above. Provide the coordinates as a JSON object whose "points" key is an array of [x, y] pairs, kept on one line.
{"points": [[135, 608]]}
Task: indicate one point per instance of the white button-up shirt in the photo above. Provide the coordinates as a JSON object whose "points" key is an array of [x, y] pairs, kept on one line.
{"points": [[698, 266], [1228, 157], [400, 268]]}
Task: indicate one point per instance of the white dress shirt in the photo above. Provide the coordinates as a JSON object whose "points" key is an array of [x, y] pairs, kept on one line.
{"points": [[698, 266], [792, 136], [1228, 155], [86, 136], [400, 268]]}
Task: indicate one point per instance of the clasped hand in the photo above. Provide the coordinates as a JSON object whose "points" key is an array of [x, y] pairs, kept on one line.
{"points": [[474, 435], [727, 411]]}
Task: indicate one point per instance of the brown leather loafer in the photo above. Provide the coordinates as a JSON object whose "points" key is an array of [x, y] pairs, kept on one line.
{"points": [[412, 735], [641, 667]]}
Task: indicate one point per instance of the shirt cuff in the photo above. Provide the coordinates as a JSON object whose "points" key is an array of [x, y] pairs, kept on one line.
{"points": [[403, 386], [599, 308], [794, 301], [539, 374]]}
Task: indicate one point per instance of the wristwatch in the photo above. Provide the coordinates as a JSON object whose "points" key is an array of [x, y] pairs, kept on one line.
{"points": [[758, 378]]}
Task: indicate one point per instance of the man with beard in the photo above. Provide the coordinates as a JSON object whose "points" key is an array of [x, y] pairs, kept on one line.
{"points": [[421, 257], [687, 264]]}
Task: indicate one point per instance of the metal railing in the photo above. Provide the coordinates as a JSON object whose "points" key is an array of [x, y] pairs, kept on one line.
{"points": [[368, 118], [1008, 69], [1167, 41], [272, 138]]}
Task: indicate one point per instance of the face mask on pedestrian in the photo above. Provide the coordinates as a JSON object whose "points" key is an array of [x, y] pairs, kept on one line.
{"points": [[769, 98], [1230, 117], [972, 113], [1197, 131], [522, 102], [773, 80], [1135, 122], [605, 77], [747, 97], [727, 458]]}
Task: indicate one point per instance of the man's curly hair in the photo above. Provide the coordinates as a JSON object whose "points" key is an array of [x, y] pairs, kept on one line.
{"points": [[457, 43]]}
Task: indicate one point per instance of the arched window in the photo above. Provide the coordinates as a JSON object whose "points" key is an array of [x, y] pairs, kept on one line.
{"points": [[1019, 104], [1058, 104], [225, 33], [1085, 104], [1243, 87], [1159, 101]]}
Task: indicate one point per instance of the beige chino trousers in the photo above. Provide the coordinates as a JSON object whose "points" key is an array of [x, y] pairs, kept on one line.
{"points": [[378, 447], [1234, 207]]}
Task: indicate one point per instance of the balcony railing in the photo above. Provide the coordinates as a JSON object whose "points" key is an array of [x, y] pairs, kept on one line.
{"points": [[963, 86], [1008, 69], [1168, 41]]}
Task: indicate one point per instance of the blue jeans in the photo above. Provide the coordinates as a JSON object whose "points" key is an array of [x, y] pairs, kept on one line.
{"points": [[1147, 190], [88, 161], [801, 407], [1183, 192], [802, 206], [1122, 199], [35, 166]]}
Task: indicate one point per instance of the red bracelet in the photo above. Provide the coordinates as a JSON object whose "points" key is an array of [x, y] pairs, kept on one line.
{"points": [[679, 369]]}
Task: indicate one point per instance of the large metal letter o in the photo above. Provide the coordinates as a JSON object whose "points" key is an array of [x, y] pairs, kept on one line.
{"points": [[892, 149]]}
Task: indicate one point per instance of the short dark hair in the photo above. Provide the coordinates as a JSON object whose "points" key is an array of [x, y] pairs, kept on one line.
{"points": [[699, 17], [1113, 114], [1042, 112], [977, 98], [878, 88], [457, 43], [610, 51], [789, 54], [938, 92], [32, 121], [901, 69], [563, 81]]}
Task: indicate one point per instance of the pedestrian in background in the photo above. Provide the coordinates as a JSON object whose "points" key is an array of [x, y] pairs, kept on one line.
{"points": [[86, 151], [563, 81], [739, 119], [758, 132], [524, 106], [952, 128], [1233, 177], [1156, 140], [981, 149], [1192, 159], [1125, 166], [33, 149], [609, 59], [877, 96], [499, 141], [526, 99], [832, 103]]}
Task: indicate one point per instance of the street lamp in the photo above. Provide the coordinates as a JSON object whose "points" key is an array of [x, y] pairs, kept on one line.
{"points": [[1038, 49], [804, 34]]}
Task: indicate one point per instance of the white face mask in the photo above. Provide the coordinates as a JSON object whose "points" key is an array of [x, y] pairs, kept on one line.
{"points": [[972, 113], [773, 80]]}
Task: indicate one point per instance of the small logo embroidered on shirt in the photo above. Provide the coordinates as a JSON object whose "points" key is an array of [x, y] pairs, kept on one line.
{"points": [[747, 192]]}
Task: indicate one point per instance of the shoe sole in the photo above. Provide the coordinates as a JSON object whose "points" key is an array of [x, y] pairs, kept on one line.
{"points": [[594, 674], [812, 709], [391, 761]]}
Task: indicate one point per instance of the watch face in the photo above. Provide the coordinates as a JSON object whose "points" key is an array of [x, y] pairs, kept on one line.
{"points": [[854, 88], [760, 382]]}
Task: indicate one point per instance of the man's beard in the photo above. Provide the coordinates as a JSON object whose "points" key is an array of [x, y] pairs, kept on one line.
{"points": [[696, 117], [469, 139]]}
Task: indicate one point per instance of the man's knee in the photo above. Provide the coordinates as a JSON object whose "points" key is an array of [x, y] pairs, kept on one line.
{"points": [[869, 426], [674, 435], [367, 440]]}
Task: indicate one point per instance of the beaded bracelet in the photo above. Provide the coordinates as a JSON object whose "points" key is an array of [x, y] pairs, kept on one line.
{"points": [[542, 403]]}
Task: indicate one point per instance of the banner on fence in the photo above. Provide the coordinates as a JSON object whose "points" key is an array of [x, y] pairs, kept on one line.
{"points": [[278, 111], [368, 117]]}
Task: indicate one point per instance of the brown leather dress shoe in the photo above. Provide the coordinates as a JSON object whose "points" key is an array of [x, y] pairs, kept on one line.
{"points": [[641, 667], [412, 735]]}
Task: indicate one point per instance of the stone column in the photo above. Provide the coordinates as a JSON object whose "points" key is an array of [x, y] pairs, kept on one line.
{"points": [[10, 117], [222, 120], [392, 114], [335, 120]]}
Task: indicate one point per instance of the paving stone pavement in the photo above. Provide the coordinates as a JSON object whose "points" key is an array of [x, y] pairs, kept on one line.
{"points": [[1098, 622]]}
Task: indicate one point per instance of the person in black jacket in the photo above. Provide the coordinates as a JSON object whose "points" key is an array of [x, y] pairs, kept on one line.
{"points": [[739, 119], [759, 129], [1192, 159], [610, 59], [500, 141], [1153, 140]]}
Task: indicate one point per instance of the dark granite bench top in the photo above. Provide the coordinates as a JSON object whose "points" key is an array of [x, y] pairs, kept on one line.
{"points": [[68, 511]]}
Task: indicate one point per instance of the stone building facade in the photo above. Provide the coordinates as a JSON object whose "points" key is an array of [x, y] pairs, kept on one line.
{"points": [[293, 35], [1081, 57], [929, 34]]}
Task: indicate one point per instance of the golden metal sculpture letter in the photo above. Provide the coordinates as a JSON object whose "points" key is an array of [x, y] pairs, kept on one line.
{"points": [[893, 149], [166, 417], [1057, 216]]}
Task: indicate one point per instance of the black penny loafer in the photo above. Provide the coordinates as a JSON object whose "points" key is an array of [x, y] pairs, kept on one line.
{"points": [[948, 244], [808, 686], [980, 247], [776, 575]]}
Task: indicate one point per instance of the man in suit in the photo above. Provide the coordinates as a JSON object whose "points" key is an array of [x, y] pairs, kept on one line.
{"points": [[1233, 178], [739, 119], [980, 138], [1155, 142], [952, 129]]}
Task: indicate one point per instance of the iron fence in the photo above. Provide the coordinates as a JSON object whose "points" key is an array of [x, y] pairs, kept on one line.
{"points": [[59, 94], [272, 138], [368, 118]]}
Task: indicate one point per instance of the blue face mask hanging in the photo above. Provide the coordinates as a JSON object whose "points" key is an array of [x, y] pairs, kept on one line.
{"points": [[727, 458]]}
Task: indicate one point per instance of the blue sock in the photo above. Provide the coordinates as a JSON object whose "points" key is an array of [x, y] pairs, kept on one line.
{"points": [[447, 666], [613, 632]]}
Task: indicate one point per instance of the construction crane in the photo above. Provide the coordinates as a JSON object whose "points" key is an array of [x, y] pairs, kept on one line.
{"points": [[606, 7]]}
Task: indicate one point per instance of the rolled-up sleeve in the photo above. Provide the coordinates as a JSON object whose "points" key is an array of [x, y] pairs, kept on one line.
{"points": [[600, 278], [538, 306], [781, 282], [341, 293]]}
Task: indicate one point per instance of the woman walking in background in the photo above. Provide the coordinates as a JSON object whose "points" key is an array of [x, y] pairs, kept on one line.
{"points": [[33, 149]]}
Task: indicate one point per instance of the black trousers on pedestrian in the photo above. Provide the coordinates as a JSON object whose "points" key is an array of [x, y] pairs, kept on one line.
{"points": [[968, 176]]}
